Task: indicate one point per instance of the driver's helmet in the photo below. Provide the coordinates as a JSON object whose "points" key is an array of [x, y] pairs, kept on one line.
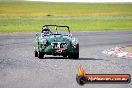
{"points": [[45, 29]]}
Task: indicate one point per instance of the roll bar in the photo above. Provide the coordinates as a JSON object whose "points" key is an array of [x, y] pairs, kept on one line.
{"points": [[58, 26]]}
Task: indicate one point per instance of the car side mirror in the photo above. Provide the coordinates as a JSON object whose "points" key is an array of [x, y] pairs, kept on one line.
{"points": [[37, 34], [70, 35]]}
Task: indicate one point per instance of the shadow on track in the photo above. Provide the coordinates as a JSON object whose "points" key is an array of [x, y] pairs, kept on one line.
{"points": [[81, 58], [55, 58]]}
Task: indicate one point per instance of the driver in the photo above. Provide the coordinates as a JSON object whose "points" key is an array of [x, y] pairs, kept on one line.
{"points": [[45, 29]]}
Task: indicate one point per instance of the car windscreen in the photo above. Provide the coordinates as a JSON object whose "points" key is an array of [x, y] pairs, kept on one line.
{"points": [[59, 30]]}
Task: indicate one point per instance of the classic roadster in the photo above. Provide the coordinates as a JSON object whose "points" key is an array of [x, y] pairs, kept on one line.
{"points": [[56, 42]]}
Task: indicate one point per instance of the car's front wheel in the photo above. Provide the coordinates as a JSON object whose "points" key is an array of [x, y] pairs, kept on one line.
{"points": [[35, 53], [74, 56], [40, 55]]}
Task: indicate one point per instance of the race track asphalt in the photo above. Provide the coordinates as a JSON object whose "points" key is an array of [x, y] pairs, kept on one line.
{"points": [[20, 69]]}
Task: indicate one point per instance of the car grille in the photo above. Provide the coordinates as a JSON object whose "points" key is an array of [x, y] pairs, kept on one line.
{"points": [[59, 45]]}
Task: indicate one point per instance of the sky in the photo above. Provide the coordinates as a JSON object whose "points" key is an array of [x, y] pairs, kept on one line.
{"points": [[84, 0]]}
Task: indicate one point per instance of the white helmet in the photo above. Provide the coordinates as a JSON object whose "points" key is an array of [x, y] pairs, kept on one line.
{"points": [[45, 28]]}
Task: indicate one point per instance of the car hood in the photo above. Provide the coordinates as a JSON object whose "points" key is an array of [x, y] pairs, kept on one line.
{"points": [[58, 38]]}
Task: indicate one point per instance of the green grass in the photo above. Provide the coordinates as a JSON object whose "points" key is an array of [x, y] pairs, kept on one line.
{"points": [[127, 49], [31, 16]]}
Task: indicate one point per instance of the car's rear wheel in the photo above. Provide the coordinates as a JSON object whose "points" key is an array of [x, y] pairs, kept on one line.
{"points": [[64, 56], [35, 53], [70, 56], [76, 56], [40, 55]]}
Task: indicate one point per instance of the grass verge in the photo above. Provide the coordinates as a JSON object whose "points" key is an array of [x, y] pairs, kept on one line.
{"points": [[31, 16]]}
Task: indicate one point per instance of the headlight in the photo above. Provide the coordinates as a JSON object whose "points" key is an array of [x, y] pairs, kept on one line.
{"points": [[44, 41], [74, 41]]}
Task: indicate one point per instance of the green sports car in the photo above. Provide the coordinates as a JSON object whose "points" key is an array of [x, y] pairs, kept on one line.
{"points": [[56, 40]]}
